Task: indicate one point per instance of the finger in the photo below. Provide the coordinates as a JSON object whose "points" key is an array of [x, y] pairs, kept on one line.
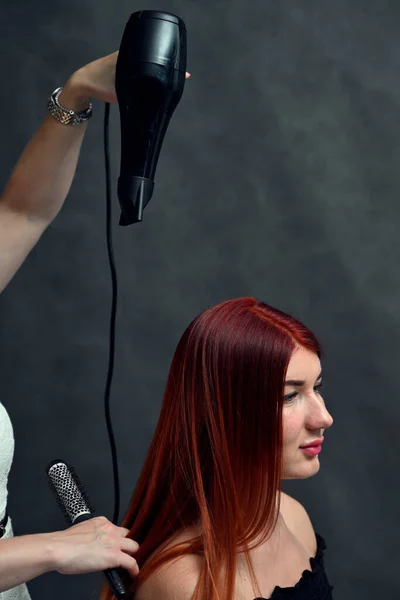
{"points": [[124, 531], [128, 545], [188, 75], [129, 564]]}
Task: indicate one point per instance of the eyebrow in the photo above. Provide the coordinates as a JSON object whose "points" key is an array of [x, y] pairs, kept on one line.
{"points": [[299, 382]]}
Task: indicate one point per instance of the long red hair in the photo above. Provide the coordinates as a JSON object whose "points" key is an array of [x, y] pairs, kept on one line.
{"points": [[215, 460]]}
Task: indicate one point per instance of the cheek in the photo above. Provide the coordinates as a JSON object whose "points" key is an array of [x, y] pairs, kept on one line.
{"points": [[292, 426]]}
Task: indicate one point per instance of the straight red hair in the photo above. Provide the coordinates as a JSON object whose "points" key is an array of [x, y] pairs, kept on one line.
{"points": [[215, 460]]}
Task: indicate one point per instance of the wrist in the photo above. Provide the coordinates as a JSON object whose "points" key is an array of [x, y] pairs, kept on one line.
{"points": [[50, 556], [74, 96]]}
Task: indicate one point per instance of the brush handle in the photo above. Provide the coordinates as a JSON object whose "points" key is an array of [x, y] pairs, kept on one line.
{"points": [[115, 582]]}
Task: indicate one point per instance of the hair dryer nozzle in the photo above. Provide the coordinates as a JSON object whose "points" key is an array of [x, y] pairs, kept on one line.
{"points": [[134, 193]]}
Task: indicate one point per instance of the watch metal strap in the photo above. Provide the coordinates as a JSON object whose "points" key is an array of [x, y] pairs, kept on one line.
{"points": [[64, 115]]}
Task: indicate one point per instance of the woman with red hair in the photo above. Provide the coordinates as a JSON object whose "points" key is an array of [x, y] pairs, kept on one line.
{"points": [[242, 411]]}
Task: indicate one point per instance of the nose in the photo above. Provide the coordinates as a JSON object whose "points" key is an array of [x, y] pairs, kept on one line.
{"points": [[318, 416]]}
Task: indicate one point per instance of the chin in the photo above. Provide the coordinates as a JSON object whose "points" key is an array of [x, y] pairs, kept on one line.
{"points": [[309, 468]]}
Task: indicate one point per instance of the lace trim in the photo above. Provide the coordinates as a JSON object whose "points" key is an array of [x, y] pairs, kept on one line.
{"points": [[21, 591], [6, 455], [312, 585]]}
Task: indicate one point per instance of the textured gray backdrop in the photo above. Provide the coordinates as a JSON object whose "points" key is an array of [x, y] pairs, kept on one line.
{"points": [[279, 178]]}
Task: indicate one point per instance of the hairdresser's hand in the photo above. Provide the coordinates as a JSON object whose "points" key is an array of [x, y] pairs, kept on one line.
{"points": [[93, 545], [94, 80]]}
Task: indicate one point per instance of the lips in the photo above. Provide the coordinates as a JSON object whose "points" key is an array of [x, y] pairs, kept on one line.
{"points": [[313, 444]]}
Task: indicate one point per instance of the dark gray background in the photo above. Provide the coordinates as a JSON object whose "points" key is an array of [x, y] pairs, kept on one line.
{"points": [[279, 178]]}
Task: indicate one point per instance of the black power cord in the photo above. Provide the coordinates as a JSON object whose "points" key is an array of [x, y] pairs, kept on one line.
{"points": [[113, 316]]}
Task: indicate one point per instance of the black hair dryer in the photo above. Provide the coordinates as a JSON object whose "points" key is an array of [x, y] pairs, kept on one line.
{"points": [[149, 82]]}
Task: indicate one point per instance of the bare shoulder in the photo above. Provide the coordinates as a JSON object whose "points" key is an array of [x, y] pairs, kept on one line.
{"points": [[174, 581], [298, 522]]}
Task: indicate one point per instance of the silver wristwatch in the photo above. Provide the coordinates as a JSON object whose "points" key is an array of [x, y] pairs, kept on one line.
{"points": [[65, 115]]}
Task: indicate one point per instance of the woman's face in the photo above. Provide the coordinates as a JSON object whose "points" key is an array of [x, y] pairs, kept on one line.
{"points": [[304, 415]]}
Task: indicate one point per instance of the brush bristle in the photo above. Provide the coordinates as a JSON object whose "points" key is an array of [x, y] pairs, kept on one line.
{"points": [[69, 491]]}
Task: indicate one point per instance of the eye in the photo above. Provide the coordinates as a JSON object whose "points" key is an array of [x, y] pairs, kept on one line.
{"points": [[290, 397], [318, 387]]}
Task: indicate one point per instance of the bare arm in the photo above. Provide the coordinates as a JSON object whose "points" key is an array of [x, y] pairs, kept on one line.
{"points": [[43, 175], [36, 191], [23, 558], [94, 545]]}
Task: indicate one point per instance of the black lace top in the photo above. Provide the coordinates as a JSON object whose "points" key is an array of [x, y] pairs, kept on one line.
{"points": [[313, 585]]}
